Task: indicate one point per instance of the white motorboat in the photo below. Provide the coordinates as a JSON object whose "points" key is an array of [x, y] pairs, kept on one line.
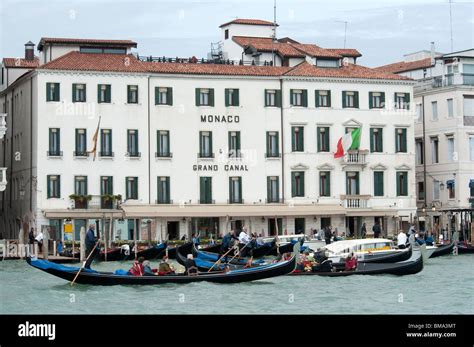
{"points": [[313, 244]]}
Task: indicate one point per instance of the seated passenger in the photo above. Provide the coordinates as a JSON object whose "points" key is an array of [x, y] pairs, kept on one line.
{"points": [[190, 266], [137, 267], [147, 270], [165, 268], [351, 263], [429, 240]]}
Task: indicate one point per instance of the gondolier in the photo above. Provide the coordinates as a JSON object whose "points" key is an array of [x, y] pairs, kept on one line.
{"points": [[90, 245]]}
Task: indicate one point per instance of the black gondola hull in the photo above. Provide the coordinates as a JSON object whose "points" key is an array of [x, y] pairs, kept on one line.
{"points": [[443, 250]]}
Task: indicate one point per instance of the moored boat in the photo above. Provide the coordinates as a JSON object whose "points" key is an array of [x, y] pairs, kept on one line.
{"points": [[93, 277], [443, 250], [464, 248]]}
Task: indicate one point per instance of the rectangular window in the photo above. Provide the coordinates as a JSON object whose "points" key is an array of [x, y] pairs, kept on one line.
{"points": [[205, 144], [378, 183], [132, 143], [52, 91], [235, 190], [434, 150], [434, 110], [104, 95], [205, 190], [54, 186], [273, 148], [376, 140], [234, 144], [81, 143], [163, 143], [401, 140], [402, 101], [468, 106], [132, 94], [402, 183], [163, 96], [232, 97], [419, 112], [450, 108], [106, 185], [54, 142], [273, 189], [80, 185], [131, 188], [376, 100], [164, 190], [323, 98], [226, 34], [450, 153], [350, 99], [297, 184], [325, 183], [451, 189], [106, 143], [272, 98], [352, 183], [299, 97], [471, 148], [204, 97], [436, 185], [421, 191], [323, 139], [78, 92], [419, 152], [297, 139]]}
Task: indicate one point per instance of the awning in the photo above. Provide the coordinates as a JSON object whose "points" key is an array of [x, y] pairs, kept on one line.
{"points": [[82, 214], [234, 210]]}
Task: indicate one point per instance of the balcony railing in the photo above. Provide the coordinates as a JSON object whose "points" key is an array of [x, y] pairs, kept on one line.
{"points": [[356, 157], [205, 155], [355, 201], [81, 153], [235, 201], [95, 202], [206, 201], [55, 153], [106, 154], [133, 154], [274, 201], [272, 155], [163, 155], [163, 202]]}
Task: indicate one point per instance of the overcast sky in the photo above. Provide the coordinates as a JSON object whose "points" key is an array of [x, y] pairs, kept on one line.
{"points": [[381, 30]]}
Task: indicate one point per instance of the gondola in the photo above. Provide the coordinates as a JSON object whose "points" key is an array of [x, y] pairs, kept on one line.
{"points": [[88, 276], [202, 264], [383, 259], [213, 248], [113, 254], [257, 252], [465, 248], [407, 267], [443, 250], [214, 257], [287, 247]]}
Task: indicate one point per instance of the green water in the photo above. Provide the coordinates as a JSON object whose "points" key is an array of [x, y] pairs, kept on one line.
{"points": [[445, 286]]}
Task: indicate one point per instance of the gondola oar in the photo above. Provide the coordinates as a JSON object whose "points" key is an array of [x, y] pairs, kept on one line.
{"points": [[238, 253], [85, 262], [219, 260]]}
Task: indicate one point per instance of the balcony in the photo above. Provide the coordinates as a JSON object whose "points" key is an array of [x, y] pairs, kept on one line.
{"points": [[84, 154], [163, 155], [235, 201], [133, 154], [95, 202], [3, 125], [55, 153], [164, 202], [106, 154], [446, 80], [207, 201], [274, 201], [355, 158], [355, 201]]}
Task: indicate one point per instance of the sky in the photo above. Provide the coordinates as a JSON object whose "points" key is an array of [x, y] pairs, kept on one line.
{"points": [[383, 31]]}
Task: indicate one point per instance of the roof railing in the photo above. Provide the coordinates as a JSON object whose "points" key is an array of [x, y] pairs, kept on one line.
{"points": [[194, 60]]}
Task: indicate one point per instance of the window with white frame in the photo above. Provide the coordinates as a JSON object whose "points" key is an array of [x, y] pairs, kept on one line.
{"points": [[434, 110], [450, 105]]}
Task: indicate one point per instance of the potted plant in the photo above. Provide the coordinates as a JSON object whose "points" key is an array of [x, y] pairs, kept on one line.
{"points": [[80, 201]]}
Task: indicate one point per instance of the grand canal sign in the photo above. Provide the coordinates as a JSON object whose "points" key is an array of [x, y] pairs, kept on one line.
{"points": [[215, 167]]}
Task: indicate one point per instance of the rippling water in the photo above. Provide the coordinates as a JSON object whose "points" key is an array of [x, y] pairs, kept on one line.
{"points": [[446, 285]]}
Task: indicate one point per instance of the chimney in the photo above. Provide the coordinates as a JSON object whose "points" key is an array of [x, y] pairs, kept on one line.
{"points": [[29, 51], [432, 53]]}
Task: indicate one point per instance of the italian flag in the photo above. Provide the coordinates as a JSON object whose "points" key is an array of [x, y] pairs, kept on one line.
{"points": [[348, 141]]}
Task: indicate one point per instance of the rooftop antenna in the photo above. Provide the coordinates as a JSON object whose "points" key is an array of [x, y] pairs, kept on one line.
{"points": [[345, 30], [274, 30], [451, 23]]}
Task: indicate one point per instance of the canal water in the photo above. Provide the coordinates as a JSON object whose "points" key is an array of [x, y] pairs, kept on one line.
{"points": [[445, 286]]}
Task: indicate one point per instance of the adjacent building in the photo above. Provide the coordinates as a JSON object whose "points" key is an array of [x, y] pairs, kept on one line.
{"points": [[167, 147]]}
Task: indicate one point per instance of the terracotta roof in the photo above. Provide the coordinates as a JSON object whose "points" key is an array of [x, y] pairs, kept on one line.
{"points": [[266, 44], [403, 66], [95, 62], [345, 52], [315, 51], [20, 63], [346, 71], [247, 21], [128, 63], [69, 41]]}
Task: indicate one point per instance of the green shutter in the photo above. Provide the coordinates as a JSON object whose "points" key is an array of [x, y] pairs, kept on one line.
{"points": [[227, 101], [326, 139], [398, 183], [210, 143], [305, 98], [357, 183], [268, 189], [200, 143], [59, 186], [168, 189], [380, 140], [135, 187], [238, 140], [405, 184], [278, 98], [302, 183], [240, 189], [372, 139], [74, 87], [211, 97], [301, 138], [201, 190], [407, 101], [382, 99], [48, 185], [293, 184], [356, 99], [268, 143], [318, 135], [329, 98], [98, 94], [230, 190], [57, 92], [198, 96], [157, 94], [229, 138], [328, 183], [371, 102], [265, 97], [291, 96], [48, 89], [169, 96], [344, 105], [129, 94], [316, 98], [403, 147], [108, 93], [127, 190], [236, 97], [378, 183]]}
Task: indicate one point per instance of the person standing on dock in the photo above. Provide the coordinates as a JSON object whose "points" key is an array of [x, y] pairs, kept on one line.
{"points": [[377, 230], [363, 231], [31, 236], [327, 235], [402, 239], [39, 239]]}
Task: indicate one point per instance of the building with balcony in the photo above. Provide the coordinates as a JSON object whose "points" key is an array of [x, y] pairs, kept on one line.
{"points": [[444, 135], [187, 145]]}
